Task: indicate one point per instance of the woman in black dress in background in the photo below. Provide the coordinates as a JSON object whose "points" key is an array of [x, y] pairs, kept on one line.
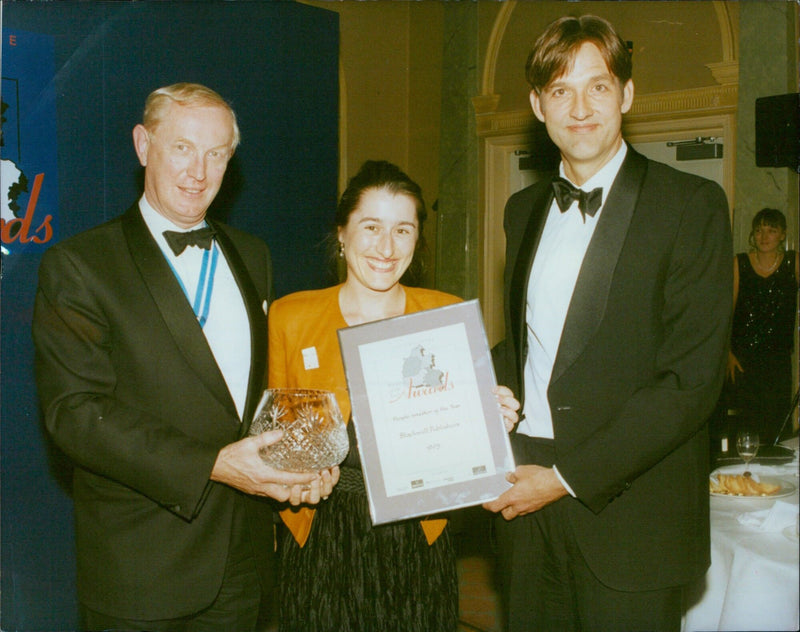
{"points": [[765, 284]]}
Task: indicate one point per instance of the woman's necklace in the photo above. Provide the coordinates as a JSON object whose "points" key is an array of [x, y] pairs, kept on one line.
{"points": [[774, 265]]}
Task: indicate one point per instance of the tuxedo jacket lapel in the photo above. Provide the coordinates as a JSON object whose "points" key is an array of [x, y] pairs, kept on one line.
{"points": [[589, 299], [175, 310], [528, 245]]}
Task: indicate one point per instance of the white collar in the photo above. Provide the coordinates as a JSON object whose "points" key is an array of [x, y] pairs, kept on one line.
{"points": [[607, 174], [157, 223]]}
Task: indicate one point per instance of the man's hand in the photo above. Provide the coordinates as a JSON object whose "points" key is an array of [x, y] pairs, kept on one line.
{"points": [[534, 487], [239, 465]]}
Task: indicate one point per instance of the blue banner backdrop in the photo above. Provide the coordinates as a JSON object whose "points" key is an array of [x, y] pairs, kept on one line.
{"points": [[74, 79]]}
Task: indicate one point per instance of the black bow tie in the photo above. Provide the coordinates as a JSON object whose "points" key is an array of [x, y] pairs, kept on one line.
{"points": [[566, 194], [201, 237]]}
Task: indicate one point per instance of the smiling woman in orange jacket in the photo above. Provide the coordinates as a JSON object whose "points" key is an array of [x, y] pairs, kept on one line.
{"points": [[338, 572]]}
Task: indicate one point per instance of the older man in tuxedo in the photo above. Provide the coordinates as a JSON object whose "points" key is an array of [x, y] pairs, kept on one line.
{"points": [[617, 303], [150, 334]]}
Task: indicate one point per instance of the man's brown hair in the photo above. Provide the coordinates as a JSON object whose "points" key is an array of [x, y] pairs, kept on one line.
{"points": [[555, 49]]}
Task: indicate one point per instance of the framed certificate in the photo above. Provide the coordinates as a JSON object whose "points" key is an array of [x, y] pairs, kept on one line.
{"points": [[430, 433]]}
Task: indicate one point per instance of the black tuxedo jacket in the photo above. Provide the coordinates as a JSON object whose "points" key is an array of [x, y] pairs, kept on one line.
{"points": [[638, 369], [132, 394]]}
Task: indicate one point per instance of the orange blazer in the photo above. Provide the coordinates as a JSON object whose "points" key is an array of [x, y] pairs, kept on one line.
{"points": [[304, 353]]}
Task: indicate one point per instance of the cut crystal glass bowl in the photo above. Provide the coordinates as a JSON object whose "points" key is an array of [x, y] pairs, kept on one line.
{"points": [[314, 433]]}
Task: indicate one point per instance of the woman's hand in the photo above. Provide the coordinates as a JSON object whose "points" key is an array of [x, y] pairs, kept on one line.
{"points": [[319, 489], [733, 367], [508, 406]]}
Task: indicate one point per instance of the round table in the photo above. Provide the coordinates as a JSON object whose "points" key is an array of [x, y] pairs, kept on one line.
{"points": [[754, 579]]}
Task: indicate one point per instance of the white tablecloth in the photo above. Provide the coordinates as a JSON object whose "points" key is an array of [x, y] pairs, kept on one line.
{"points": [[754, 579]]}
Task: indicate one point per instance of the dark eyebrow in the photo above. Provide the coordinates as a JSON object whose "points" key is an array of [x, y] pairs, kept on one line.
{"points": [[378, 221], [557, 83]]}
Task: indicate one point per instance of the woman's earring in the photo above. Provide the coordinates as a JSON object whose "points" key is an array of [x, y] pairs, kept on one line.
{"points": [[341, 250]]}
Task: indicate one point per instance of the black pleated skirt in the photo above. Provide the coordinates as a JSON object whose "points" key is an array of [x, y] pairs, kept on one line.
{"points": [[353, 577]]}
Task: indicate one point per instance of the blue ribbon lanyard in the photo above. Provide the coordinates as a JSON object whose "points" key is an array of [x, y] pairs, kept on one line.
{"points": [[205, 284]]}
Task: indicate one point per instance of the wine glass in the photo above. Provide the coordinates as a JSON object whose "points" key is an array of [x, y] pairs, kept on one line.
{"points": [[747, 447]]}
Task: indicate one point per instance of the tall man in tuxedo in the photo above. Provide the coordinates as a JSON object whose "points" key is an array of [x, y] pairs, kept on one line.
{"points": [[617, 306], [151, 346]]}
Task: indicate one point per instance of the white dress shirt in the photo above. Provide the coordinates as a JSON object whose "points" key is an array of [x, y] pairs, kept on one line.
{"points": [[551, 284], [227, 328]]}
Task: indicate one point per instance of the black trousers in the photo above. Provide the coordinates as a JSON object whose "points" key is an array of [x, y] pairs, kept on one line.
{"points": [[546, 584], [235, 608]]}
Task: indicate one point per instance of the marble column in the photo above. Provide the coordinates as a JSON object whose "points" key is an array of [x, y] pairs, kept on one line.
{"points": [[457, 207], [767, 66]]}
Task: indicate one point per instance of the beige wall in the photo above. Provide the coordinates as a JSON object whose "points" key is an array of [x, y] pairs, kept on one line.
{"points": [[392, 59], [390, 73], [672, 43]]}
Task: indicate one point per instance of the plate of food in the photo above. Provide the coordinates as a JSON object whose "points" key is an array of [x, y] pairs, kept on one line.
{"points": [[753, 486]]}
